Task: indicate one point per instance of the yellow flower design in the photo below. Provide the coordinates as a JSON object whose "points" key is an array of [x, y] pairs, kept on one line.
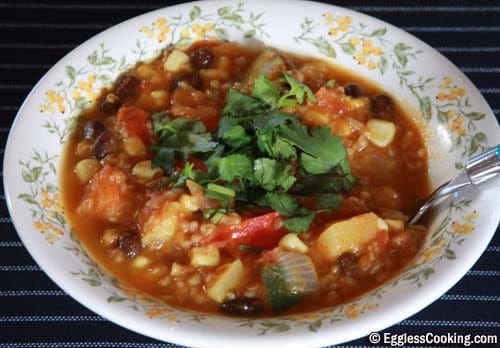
{"points": [[75, 95], [451, 114], [456, 126], [185, 33], [446, 82], [430, 253], [39, 225], [366, 50], [352, 311], [198, 31], [328, 18], [158, 30], [464, 228], [201, 31], [52, 232], [354, 41], [156, 312], [467, 226], [87, 88], [55, 101], [342, 24], [360, 57], [448, 92], [46, 203], [51, 238], [369, 306], [333, 31], [377, 51], [472, 216]]}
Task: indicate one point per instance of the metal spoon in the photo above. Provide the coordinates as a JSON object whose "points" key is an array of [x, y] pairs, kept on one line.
{"points": [[478, 169]]}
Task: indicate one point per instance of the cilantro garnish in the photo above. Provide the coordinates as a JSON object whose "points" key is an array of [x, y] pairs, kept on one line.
{"points": [[260, 155]]}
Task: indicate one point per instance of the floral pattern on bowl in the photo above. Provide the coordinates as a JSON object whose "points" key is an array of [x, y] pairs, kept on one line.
{"points": [[443, 100]]}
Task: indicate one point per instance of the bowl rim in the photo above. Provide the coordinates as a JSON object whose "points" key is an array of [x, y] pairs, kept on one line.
{"points": [[193, 336]]}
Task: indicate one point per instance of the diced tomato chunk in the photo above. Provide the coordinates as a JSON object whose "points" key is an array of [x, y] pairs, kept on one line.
{"points": [[331, 102], [133, 121], [192, 103], [108, 196], [382, 238], [206, 114]]}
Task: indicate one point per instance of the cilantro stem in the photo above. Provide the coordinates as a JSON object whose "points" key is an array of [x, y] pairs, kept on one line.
{"points": [[221, 189]]}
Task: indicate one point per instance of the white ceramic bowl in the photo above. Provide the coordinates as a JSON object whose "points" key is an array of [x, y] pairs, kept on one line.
{"points": [[454, 116]]}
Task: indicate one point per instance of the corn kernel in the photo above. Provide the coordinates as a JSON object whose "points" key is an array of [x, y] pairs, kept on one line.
{"points": [[205, 256]]}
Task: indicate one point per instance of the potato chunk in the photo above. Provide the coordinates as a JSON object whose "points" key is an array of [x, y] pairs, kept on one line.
{"points": [[349, 235], [161, 227], [226, 281]]}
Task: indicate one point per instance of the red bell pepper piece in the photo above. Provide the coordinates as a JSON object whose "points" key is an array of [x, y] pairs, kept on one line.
{"points": [[263, 232]]}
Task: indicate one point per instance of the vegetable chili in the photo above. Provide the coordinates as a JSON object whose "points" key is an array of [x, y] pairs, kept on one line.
{"points": [[242, 182]]}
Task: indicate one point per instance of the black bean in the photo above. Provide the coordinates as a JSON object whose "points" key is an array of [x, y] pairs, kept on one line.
{"points": [[104, 145], [191, 78], [127, 86], [110, 103], [242, 305], [353, 90], [348, 263], [92, 129], [130, 244], [202, 58], [382, 107]]}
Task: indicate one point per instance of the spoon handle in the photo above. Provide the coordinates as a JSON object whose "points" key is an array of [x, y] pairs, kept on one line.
{"points": [[484, 166], [478, 169]]}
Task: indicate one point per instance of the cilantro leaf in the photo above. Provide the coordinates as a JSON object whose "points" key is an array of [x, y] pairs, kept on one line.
{"points": [[283, 149], [223, 199], [273, 145], [265, 90], [225, 125], [235, 166], [273, 119], [329, 201], [322, 150], [324, 183], [299, 224], [297, 93], [188, 172], [236, 137], [165, 159], [282, 203], [180, 135], [271, 174], [199, 143], [239, 104]]}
